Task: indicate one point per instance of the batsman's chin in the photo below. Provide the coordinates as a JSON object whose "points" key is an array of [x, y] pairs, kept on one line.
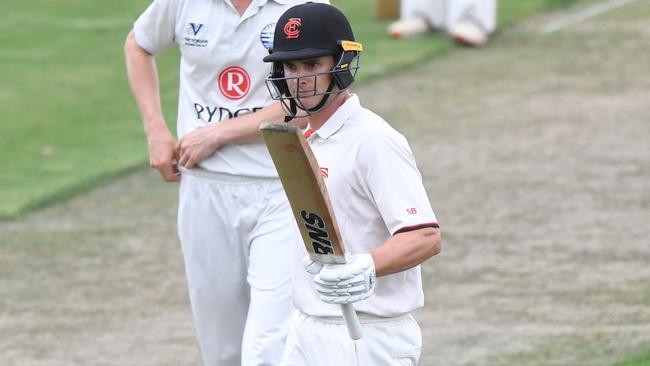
{"points": [[309, 101]]}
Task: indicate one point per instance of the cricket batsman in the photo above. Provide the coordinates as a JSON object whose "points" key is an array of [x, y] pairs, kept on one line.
{"points": [[385, 219]]}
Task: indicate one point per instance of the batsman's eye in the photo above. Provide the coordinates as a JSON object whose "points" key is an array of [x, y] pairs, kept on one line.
{"points": [[289, 67]]}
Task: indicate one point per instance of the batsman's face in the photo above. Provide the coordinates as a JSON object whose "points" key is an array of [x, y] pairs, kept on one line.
{"points": [[308, 79]]}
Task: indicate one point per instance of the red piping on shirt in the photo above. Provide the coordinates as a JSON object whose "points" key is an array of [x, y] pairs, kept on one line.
{"points": [[416, 227]]}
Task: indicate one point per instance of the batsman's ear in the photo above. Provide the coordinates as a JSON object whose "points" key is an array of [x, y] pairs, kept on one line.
{"points": [[344, 71], [277, 77]]}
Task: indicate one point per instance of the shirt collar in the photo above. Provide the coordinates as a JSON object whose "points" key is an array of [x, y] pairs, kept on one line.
{"points": [[336, 120], [262, 2]]}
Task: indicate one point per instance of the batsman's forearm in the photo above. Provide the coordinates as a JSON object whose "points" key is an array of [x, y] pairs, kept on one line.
{"points": [[145, 86], [406, 250]]}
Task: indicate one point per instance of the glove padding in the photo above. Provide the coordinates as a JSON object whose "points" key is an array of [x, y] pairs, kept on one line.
{"points": [[347, 283]]}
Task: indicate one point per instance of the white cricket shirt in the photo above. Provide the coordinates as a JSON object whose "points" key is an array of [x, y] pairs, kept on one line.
{"points": [[376, 191], [221, 72]]}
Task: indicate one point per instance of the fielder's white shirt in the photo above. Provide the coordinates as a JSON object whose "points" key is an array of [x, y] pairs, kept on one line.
{"points": [[376, 191], [221, 73]]}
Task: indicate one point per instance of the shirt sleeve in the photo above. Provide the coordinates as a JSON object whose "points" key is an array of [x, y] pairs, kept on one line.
{"points": [[155, 29], [395, 183]]}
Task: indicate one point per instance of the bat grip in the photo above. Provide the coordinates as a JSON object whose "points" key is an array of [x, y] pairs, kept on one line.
{"points": [[352, 321]]}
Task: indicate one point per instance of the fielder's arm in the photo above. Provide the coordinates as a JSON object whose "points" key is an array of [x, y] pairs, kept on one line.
{"points": [[202, 142], [143, 78], [245, 128]]}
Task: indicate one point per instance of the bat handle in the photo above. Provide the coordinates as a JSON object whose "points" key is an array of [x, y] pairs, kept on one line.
{"points": [[352, 321]]}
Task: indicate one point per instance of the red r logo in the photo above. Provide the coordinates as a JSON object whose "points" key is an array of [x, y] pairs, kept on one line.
{"points": [[234, 82], [292, 28]]}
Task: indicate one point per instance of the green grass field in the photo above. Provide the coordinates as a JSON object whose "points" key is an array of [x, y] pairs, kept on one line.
{"points": [[643, 360], [68, 120]]}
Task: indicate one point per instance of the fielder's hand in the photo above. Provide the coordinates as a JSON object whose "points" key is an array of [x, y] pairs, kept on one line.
{"points": [[162, 155], [196, 146], [348, 283]]}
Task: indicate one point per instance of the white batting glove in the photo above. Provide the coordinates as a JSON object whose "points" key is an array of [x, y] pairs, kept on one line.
{"points": [[347, 283], [311, 266]]}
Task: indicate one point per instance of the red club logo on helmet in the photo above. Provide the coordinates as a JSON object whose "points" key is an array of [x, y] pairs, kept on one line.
{"points": [[292, 28], [234, 82]]}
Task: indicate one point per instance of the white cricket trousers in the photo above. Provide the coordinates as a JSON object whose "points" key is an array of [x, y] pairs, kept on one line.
{"points": [[314, 341], [237, 236]]}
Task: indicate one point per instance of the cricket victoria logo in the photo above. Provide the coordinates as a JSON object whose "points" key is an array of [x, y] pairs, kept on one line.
{"points": [[193, 33], [315, 226], [234, 82], [266, 36]]}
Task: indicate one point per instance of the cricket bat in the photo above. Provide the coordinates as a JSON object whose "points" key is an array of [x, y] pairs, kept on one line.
{"points": [[302, 181]]}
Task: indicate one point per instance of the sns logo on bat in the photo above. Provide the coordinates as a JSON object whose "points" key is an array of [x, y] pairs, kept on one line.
{"points": [[315, 226]]}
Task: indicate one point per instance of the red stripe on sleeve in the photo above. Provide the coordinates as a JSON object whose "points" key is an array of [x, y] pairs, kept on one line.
{"points": [[416, 227]]}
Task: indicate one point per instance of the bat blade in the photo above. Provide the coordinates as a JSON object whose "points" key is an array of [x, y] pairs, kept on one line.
{"points": [[305, 188]]}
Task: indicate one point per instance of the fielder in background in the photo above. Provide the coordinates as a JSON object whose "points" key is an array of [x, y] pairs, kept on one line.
{"points": [[468, 22], [234, 222], [376, 191]]}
